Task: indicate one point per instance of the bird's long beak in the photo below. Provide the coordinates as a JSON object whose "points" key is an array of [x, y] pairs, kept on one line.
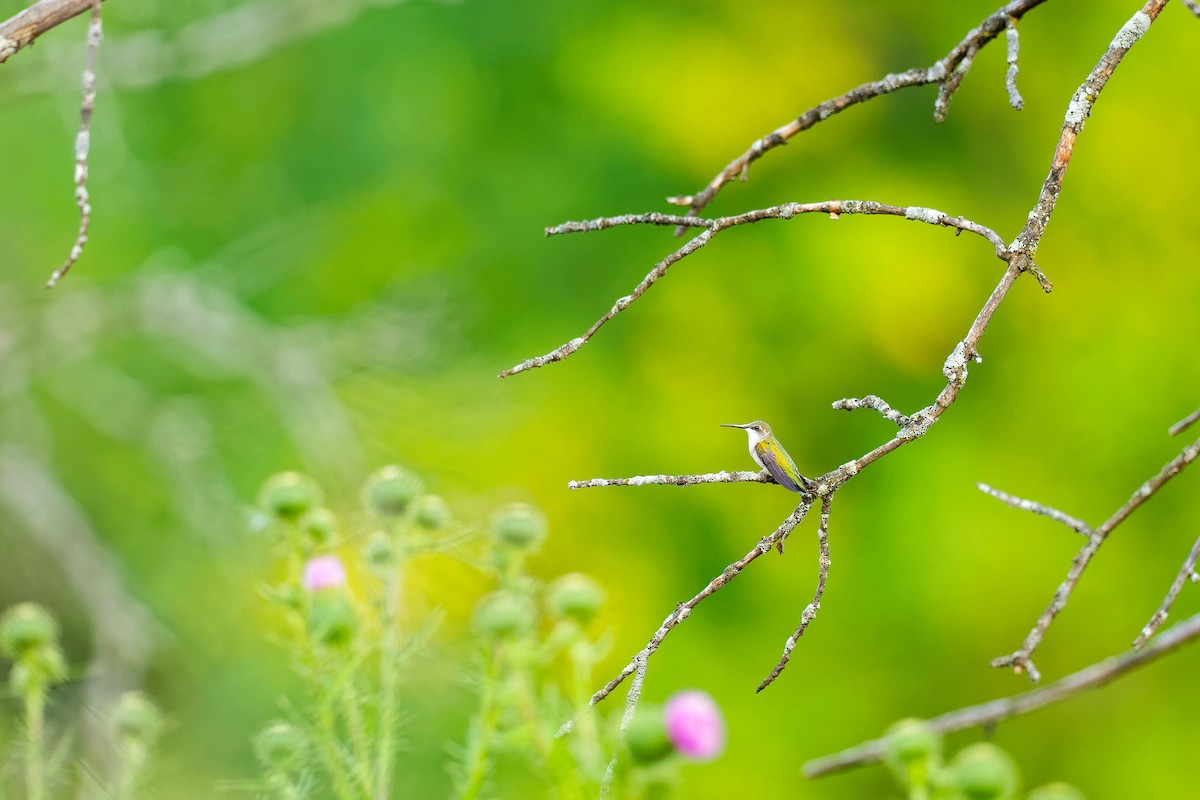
{"points": [[733, 425]]}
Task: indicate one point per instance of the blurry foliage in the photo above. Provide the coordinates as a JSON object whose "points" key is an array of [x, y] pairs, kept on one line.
{"points": [[44, 755], [321, 254], [981, 771], [354, 645]]}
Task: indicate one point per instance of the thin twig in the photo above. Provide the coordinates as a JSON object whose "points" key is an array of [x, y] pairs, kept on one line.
{"points": [[684, 610], [21, 29], [876, 404], [1184, 424], [1186, 573], [631, 701], [1020, 660], [988, 714], [1078, 111], [834, 208], [1014, 50], [950, 67], [83, 141], [1077, 525], [676, 480], [810, 611], [1192, 6], [947, 88]]}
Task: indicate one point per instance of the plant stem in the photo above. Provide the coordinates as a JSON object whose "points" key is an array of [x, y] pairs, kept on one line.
{"points": [[358, 734], [331, 751], [389, 679], [590, 750], [133, 758], [477, 750], [559, 772], [283, 786], [35, 717]]}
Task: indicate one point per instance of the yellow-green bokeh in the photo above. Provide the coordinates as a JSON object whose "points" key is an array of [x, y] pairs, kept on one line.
{"points": [[367, 201]]}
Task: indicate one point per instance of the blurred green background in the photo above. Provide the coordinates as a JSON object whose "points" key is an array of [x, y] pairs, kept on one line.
{"points": [[317, 238]]}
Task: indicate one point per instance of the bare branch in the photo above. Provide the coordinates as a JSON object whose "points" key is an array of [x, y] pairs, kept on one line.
{"points": [[950, 68], [83, 141], [20, 30], [676, 480], [1020, 660], [875, 403], [1078, 111], [631, 701], [684, 610], [810, 611], [1192, 6], [1079, 526], [660, 269], [988, 714], [1184, 424], [1014, 50], [1186, 573], [834, 208]]}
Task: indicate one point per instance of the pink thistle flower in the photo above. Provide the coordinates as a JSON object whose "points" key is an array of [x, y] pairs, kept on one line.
{"points": [[695, 725], [324, 572]]}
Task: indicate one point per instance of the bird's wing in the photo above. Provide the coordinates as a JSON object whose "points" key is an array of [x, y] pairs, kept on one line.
{"points": [[780, 465]]}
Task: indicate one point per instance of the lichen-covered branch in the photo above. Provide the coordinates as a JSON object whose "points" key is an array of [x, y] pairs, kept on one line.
{"points": [[1014, 51], [1184, 424], [83, 141], [1078, 110], [947, 71], [20, 30], [810, 611], [1186, 573], [1020, 660], [875, 403], [987, 715], [676, 480], [684, 610], [711, 227], [1077, 525]]}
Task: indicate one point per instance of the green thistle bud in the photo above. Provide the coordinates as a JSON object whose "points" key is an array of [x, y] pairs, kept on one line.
{"points": [[985, 772], [26, 627], [281, 746], [1056, 791], [380, 553], [575, 596], [288, 495], [390, 491], [646, 736], [520, 526], [910, 741], [332, 620], [136, 717], [504, 614], [431, 513], [37, 669], [319, 525]]}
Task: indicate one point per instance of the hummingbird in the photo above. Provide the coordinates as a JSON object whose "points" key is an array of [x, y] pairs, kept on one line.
{"points": [[770, 455]]}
